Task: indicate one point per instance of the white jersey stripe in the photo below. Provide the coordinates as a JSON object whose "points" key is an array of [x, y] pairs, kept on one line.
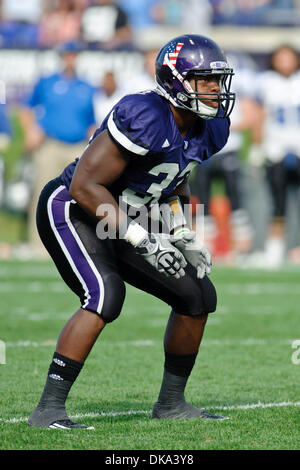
{"points": [[122, 139]]}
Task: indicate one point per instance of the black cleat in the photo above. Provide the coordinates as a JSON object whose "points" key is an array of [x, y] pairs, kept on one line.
{"points": [[204, 414], [182, 410], [53, 418], [68, 424]]}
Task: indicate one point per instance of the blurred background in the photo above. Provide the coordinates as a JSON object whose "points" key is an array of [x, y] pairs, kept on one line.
{"points": [[64, 63]]}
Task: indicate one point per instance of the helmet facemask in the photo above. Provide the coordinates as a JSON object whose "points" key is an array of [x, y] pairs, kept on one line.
{"points": [[194, 100]]}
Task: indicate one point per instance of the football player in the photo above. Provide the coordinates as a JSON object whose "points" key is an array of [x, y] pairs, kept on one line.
{"points": [[277, 92], [140, 156]]}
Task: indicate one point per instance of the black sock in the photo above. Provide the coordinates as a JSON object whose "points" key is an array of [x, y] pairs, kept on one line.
{"points": [[177, 370], [62, 373], [180, 364], [64, 368]]}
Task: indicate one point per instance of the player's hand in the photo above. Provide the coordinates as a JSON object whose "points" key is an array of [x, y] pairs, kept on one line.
{"points": [[160, 253], [195, 253]]}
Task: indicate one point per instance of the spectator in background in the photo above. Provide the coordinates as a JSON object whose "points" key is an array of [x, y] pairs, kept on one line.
{"points": [[106, 97], [56, 118], [145, 80], [241, 12], [110, 91], [61, 22], [194, 15], [105, 25], [277, 91], [140, 13], [19, 22], [28, 11]]}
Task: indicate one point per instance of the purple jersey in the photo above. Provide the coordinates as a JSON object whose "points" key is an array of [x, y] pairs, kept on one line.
{"points": [[144, 127]]}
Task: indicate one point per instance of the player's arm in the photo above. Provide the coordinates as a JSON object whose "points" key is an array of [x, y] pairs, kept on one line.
{"points": [[101, 164], [175, 213]]}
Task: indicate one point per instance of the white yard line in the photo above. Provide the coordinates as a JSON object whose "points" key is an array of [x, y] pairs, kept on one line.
{"points": [[47, 269], [254, 288], [248, 406], [33, 286], [250, 288], [151, 342]]}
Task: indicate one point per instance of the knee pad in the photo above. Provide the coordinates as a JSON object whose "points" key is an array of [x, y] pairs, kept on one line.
{"points": [[197, 299], [210, 296], [114, 295]]}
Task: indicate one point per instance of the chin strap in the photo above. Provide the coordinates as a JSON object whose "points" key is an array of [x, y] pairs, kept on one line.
{"points": [[205, 111]]}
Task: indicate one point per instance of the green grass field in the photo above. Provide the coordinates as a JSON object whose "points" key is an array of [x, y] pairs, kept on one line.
{"points": [[244, 369]]}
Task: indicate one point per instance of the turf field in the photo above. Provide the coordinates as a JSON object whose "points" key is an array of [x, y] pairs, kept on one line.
{"points": [[247, 368]]}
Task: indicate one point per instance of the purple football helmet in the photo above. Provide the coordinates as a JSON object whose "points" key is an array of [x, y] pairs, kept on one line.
{"points": [[190, 55]]}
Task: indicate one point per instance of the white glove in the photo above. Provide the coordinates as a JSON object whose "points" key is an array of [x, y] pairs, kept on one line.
{"points": [[161, 254], [156, 249], [195, 253]]}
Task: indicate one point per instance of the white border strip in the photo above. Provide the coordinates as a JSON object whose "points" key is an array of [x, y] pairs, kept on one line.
{"points": [[249, 406], [122, 139]]}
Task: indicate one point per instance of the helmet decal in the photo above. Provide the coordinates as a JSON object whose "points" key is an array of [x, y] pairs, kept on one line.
{"points": [[218, 65], [172, 54]]}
